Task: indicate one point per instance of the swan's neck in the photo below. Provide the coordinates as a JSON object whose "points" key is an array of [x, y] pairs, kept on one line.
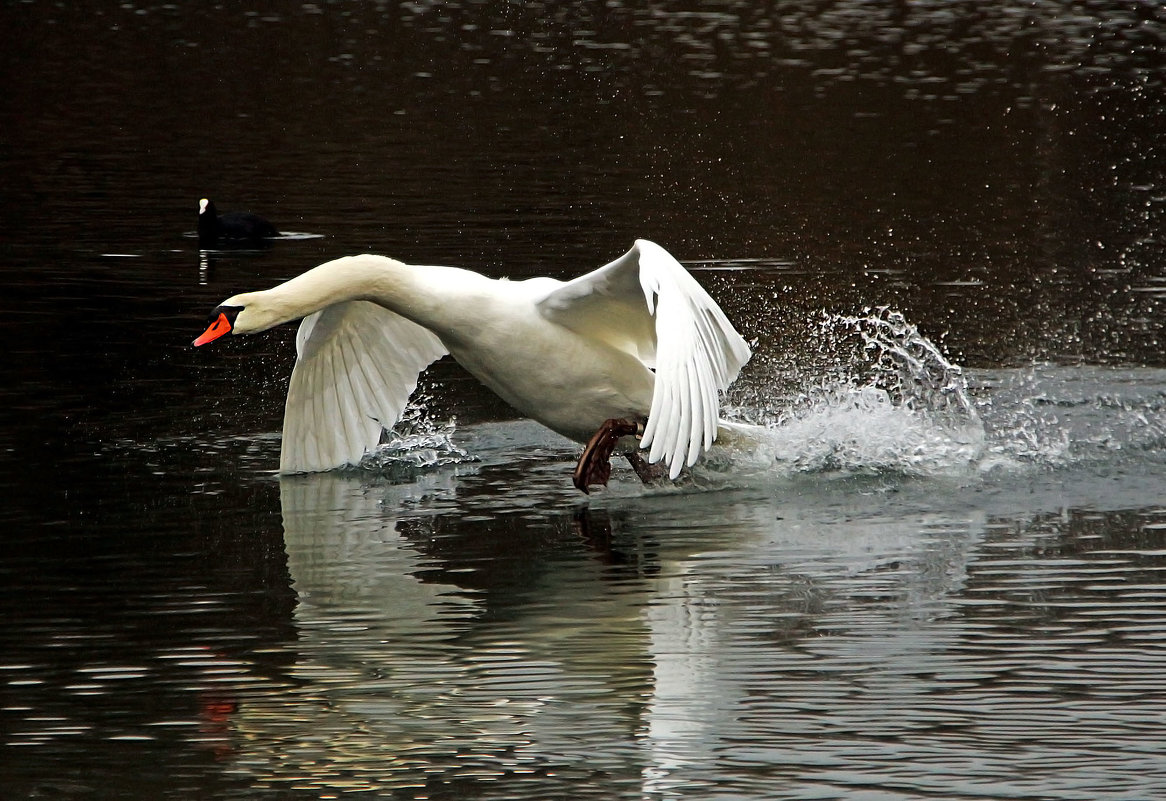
{"points": [[413, 292]]}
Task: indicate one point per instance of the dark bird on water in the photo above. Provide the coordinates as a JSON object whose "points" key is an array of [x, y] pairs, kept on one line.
{"points": [[237, 227]]}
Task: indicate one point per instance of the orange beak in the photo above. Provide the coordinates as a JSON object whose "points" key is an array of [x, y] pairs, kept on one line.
{"points": [[220, 326]]}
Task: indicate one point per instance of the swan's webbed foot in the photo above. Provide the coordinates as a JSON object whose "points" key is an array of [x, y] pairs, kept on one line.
{"points": [[647, 472], [594, 465]]}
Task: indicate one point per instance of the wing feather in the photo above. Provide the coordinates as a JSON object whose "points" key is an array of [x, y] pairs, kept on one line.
{"points": [[648, 305], [698, 354], [352, 424], [357, 363]]}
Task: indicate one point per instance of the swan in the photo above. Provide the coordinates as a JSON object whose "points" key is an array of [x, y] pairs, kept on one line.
{"points": [[635, 350]]}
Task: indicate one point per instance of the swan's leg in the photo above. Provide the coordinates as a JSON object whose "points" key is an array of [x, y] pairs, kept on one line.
{"points": [[646, 471], [595, 464]]}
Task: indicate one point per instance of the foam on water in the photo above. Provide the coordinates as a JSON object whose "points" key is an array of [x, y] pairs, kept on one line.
{"points": [[890, 402], [1069, 416], [857, 431]]}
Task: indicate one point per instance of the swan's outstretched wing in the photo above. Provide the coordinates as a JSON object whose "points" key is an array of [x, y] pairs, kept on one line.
{"points": [[357, 363], [646, 304]]}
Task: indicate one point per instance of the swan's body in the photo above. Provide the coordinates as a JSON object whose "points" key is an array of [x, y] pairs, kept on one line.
{"points": [[637, 339]]}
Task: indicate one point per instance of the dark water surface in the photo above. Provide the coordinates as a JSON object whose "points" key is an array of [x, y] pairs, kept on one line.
{"points": [[941, 572]]}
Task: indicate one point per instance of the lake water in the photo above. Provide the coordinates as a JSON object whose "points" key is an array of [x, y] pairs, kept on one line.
{"points": [[941, 572]]}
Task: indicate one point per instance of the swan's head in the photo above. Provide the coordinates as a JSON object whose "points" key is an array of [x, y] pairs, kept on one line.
{"points": [[332, 282], [208, 220], [222, 321], [248, 313]]}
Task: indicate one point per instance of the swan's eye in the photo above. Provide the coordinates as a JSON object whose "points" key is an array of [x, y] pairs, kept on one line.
{"points": [[230, 312]]}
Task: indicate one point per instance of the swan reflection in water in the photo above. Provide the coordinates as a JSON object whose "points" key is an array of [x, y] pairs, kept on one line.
{"points": [[533, 646]]}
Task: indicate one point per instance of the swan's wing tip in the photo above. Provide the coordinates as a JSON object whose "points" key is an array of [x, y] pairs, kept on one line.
{"points": [[699, 354]]}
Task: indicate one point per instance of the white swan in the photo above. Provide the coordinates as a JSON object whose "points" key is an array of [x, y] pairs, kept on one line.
{"points": [[636, 346]]}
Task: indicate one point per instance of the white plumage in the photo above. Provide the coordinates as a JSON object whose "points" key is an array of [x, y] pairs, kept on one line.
{"points": [[356, 366], [637, 339]]}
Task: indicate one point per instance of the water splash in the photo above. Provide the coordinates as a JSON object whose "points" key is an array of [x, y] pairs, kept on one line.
{"points": [[880, 398], [417, 443], [890, 402], [912, 370]]}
